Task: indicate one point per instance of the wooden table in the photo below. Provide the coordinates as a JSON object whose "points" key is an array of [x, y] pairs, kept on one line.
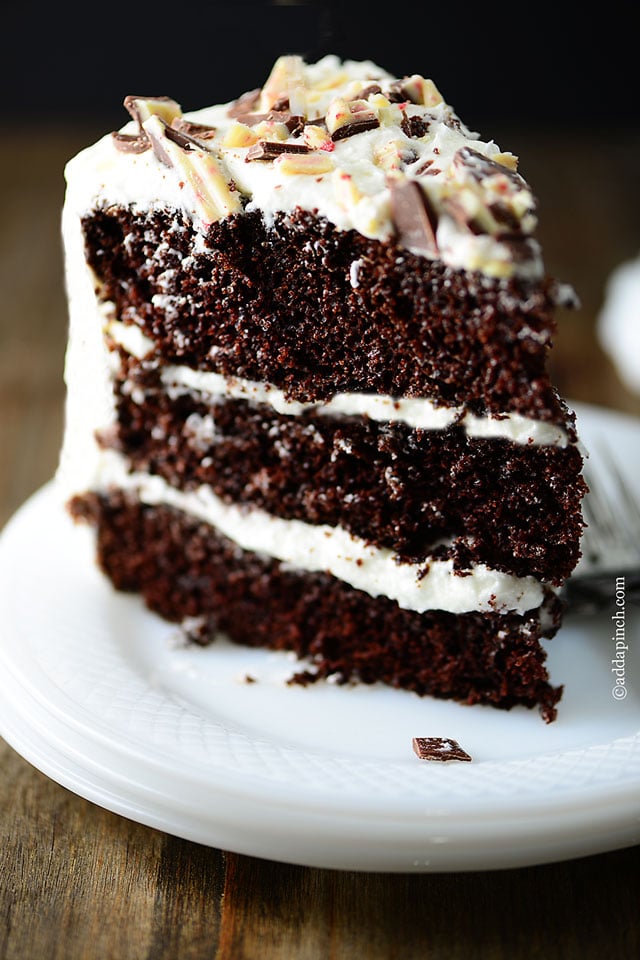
{"points": [[79, 882]]}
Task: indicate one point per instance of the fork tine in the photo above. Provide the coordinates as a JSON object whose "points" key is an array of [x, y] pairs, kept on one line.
{"points": [[631, 505], [611, 538], [612, 513]]}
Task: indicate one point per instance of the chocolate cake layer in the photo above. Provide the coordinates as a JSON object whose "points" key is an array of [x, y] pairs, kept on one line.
{"points": [[516, 507], [183, 568], [316, 310]]}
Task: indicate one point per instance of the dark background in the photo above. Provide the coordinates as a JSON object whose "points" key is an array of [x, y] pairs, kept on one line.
{"points": [[507, 64], [556, 84]]}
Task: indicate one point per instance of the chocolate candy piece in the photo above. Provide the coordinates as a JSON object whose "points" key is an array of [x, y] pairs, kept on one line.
{"points": [[479, 167], [355, 126], [130, 142], [285, 84], [312, 164], [141, 108], [270, 149], [293, 122], [199, 131], [212, 194], [415, 89], [413, 216], [369, 91], [438, 748], [345, 118]]}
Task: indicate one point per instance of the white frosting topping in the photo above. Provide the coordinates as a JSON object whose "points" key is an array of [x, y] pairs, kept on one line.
{"points": [[346, 181], [417, 412]]}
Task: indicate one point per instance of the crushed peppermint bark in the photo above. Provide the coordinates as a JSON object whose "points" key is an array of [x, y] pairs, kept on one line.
{"points": [[368, 91], [293, 122], [355, 126], [345, 118], [426, 169], [415, 89], [200, 131], [212, 194], [270, 149], [478, 212], [130, 142], [480, 168], [439, 748], [141, 108]]}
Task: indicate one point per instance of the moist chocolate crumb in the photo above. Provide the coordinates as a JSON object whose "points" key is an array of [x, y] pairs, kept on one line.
{"points": [[412, 327]]}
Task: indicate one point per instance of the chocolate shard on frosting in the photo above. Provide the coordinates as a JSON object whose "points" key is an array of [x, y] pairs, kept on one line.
{"points": [[130, 142], [480, 167], [293, 122], [414, 89], [182, 138], [357, 125], [270, 149], [141, 108], [369, 91], [413, 216], [213, 195], [199, 131]]}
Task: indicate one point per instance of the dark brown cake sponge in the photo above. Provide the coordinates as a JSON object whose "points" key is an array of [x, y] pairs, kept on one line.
{"points": [[514, 507], [183, 568], [278, 304]]}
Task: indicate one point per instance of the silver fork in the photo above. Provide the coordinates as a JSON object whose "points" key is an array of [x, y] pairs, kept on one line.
{"points": [[611, 540]]}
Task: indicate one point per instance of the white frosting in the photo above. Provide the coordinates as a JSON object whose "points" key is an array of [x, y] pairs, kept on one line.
{"points": [[619, 322], [417, 412], [353, 194], [320, 548], [88, 375]]}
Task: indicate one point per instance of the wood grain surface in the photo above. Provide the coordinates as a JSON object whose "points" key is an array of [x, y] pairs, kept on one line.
{"points": [[77, 882]]}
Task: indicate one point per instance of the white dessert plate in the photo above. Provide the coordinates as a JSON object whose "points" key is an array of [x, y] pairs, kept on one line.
{"points": [[109, 701]]}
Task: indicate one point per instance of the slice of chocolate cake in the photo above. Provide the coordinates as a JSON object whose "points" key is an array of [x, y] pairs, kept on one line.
{"points": [[308, 401]]}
